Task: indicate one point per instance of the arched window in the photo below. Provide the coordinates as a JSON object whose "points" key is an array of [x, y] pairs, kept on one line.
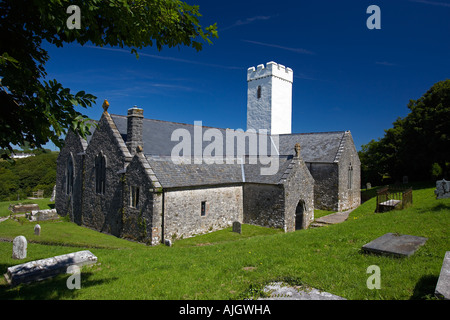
{"points": [[258, 92], [100, 173], [69, 176]]}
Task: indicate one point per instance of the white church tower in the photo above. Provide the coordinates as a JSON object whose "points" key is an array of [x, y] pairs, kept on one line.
{"points": [[269, 98]]}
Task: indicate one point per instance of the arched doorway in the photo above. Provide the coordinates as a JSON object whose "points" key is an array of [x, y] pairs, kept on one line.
{"points": [[299, 215]]}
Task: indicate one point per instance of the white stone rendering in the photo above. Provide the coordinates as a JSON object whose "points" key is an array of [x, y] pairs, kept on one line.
{"points": [[269, 98]]}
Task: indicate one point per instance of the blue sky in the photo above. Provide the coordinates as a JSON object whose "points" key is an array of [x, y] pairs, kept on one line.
{"points": [[346, 77]]}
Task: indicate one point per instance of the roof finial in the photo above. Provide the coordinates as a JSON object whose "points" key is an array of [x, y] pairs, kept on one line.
{"points": [[105, 105], [297, 150]]}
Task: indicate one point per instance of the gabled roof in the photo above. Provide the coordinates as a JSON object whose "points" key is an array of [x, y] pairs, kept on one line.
{"points": [[321, 147], [188, 173]]}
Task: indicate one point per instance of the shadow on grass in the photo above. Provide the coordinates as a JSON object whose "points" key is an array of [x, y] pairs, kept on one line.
{"points": [[440, 207], [49, 289], [424, 289]]}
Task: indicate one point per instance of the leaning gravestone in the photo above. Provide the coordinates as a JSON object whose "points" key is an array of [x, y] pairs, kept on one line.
{"points": [[443, 286], [237, 227], [395, 245], [19, 248], [37, 230]]}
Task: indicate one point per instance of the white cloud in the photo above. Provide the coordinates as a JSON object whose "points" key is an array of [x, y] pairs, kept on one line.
{"points": [[433, 3], [240, 22], [297, 50]]}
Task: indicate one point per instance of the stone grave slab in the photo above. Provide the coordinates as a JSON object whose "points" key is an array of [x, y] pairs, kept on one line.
{"points": [[46, 268], [280, 291], [443, 285], [395, 245]]}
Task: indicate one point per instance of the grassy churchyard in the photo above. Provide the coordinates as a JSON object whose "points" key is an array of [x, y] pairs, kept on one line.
{"points": [[227, 265]]}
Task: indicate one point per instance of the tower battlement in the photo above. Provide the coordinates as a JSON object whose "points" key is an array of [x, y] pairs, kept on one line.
{"points": [[270, 69]]}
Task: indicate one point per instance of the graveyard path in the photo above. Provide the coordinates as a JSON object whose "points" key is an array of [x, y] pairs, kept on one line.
{"points": [[333, 218]]}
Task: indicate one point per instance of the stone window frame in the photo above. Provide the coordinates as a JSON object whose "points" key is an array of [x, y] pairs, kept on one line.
{"points": [[70, 170], [134, 197], [100, 173], [350, 177], [204, 205]]}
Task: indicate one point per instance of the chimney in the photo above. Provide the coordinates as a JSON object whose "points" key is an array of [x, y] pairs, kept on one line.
{"points": [[135, 119]]}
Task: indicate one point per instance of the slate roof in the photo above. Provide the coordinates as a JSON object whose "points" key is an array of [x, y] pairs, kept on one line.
{"points": [[315, 147], [188, 173], [323, 147]]}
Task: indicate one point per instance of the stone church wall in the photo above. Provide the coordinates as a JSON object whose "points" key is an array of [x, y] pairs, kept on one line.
{"points": [[141, 221], [183, 210], [103, 211], [349, 191], [264, 205], [299, 192], [326, 185], [70, 204]]}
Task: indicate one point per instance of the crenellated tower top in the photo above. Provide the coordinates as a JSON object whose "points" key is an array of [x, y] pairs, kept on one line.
{"points": [[270, 69]]}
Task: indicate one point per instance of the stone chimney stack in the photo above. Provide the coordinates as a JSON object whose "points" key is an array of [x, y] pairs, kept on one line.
{"points": [[135, 119]]}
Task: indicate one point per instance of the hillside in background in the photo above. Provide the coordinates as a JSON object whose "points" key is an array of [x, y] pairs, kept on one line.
{"points": [[20, 178]]}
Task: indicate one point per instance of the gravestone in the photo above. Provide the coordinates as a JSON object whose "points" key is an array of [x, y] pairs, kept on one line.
{"points": [[168, 242], [46, 268], [42, 215], [395, 245], [19, 248], [442, 189], [22, 208], [237, 227], [37, 230], [52, 198], [405, 179], [443, 285], [368, 185]]}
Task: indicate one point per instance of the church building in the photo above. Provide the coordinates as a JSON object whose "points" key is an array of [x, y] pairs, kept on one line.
{"points": [[150, 180]]}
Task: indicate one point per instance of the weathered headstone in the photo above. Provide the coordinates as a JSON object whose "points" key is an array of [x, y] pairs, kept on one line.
{"points": [[47, 268], [237, 227], [52, 198], [442, 189], [443, 285], [368, 185], [37, 230], [395, 245], [19, 248]]}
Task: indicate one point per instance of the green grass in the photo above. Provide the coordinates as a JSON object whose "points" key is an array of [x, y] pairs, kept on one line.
{"points": [[321, 213], [43, 204], [226, 265]]}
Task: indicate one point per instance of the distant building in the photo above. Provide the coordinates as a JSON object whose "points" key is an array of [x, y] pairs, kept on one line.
{"points": [[22, 155], [123, 179]]}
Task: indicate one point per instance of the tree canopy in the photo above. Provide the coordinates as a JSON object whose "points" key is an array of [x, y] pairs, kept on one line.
{"points": [[35, 109], [417, 146]]}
